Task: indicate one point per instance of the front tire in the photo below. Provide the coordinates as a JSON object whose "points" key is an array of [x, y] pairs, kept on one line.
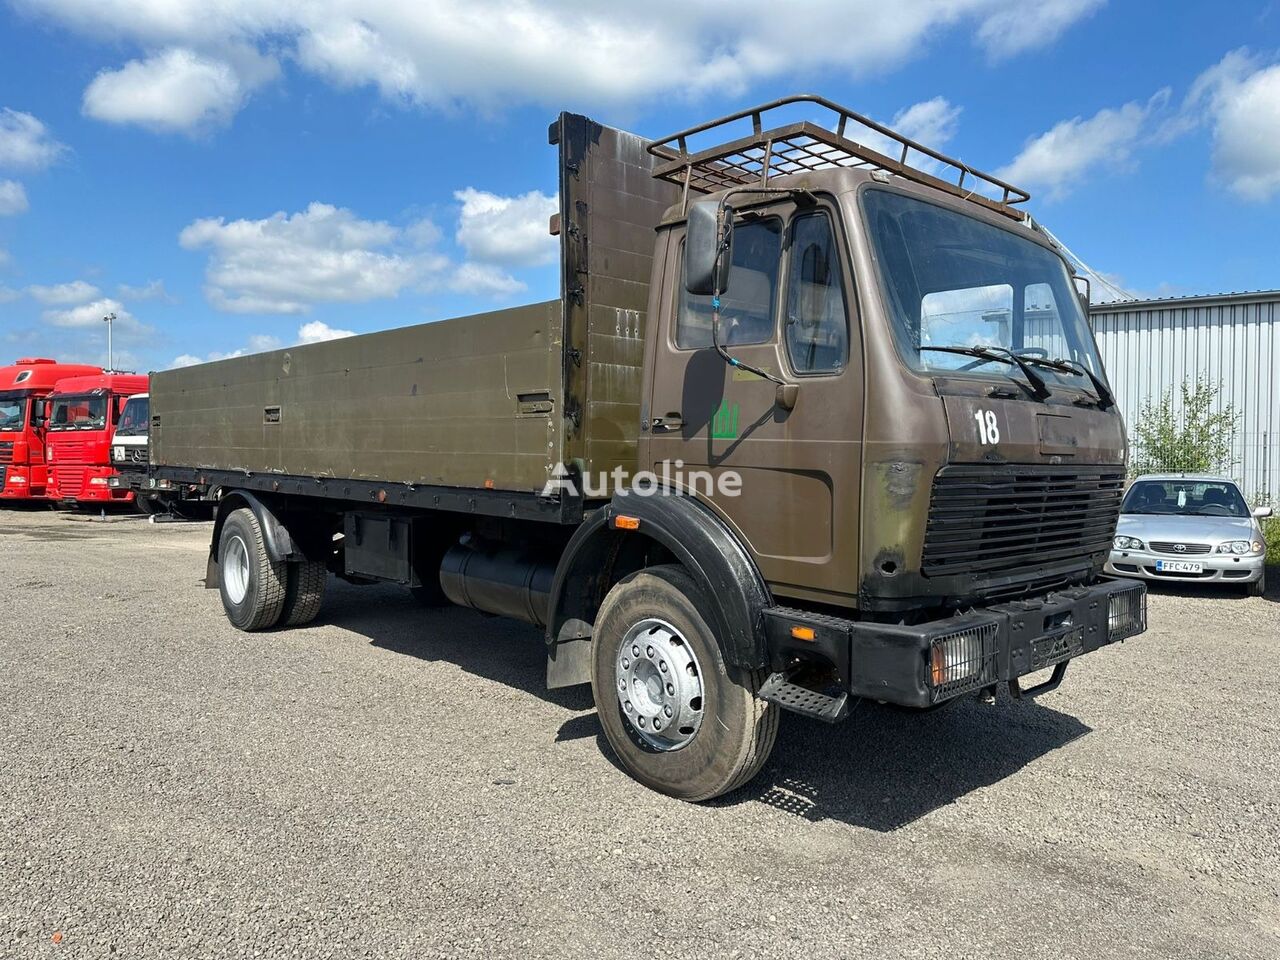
{"points": [[252, 585], [694, 738], [1259, 587]]}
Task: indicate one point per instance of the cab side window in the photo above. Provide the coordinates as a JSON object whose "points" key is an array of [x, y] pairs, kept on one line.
{"points": [[817, 325], [747, 305]]}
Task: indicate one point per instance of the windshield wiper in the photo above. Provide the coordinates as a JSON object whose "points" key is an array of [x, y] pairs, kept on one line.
{"points": [[1038, 387], [1105, 397]]}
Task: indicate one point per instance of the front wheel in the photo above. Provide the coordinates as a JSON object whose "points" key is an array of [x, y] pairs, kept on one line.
{"points": [[252, 585], [680, 719], [1259, 587]]}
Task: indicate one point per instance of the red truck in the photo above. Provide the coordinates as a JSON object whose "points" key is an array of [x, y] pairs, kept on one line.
{"points": [[83, 413], [24, 388]]}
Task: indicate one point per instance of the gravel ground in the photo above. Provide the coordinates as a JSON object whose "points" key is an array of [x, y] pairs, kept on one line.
{"points": [[393, 782]]}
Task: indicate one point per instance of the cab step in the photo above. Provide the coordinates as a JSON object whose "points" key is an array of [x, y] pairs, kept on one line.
{"points": [[808, 703]]}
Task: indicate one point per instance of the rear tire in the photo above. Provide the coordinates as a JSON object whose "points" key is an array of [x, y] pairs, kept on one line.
{"points": [[252, 585], [304, 592], [729, 743]]}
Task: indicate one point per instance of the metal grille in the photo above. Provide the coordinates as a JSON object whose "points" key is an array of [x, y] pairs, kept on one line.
{"points": [[1127, 612], [991, 519], [842, 138], [135, 454], [69, 481], [6, 451], [962, 661], [1187, 549]]}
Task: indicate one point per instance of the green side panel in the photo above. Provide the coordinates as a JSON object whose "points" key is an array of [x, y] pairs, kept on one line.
{"points": [[469, 402], [610, 205]]}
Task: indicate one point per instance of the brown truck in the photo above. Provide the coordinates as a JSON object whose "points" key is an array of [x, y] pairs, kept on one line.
{"points": [[817, 416]]}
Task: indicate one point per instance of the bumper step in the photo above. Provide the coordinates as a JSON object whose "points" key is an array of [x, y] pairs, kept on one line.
{"points": [[809, 703]]}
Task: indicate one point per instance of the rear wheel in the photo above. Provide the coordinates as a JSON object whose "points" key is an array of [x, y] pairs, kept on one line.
{"points": [[304, 592], [252, 585], [680, 719]]}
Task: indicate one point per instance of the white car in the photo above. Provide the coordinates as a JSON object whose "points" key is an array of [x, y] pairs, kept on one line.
{"points": [[1190, 528]]}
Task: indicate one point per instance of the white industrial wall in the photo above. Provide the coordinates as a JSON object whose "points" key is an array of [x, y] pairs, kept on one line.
{"points": [[1233, 341]]}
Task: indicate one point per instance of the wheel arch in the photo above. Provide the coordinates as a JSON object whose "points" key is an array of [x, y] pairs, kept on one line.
{"points": [[280, 542], [601, 553]]}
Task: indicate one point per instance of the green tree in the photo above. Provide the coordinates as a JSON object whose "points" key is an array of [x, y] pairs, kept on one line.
{"points": [[1187, 437]]}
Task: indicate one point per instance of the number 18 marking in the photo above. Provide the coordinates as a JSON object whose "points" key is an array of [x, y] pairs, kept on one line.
{"points": [[988, 429]]}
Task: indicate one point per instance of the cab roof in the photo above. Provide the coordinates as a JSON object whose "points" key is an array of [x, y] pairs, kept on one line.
{"points": [[123, 384], [41, 374]]}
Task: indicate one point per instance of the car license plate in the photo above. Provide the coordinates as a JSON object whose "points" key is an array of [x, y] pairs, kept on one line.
{"points": [[1178, 566]]}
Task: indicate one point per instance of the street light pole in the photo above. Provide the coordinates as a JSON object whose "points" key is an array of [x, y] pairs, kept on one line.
{"points": [[109, 319]]}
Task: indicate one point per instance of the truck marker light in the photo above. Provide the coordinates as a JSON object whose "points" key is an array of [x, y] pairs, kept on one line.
{"points": [[622, 522], [804, 633], [488, 484]]}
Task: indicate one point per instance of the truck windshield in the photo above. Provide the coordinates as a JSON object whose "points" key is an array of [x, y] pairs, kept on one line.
{"points": [[13, 412], [952, 281], [133, 422], [79, 413]]}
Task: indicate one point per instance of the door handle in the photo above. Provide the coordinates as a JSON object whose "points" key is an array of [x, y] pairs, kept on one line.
{"points": [[672, 421]]}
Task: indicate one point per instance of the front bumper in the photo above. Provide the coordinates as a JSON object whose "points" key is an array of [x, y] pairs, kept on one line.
{"points": [[97, 488], [1215, 567], [21, 483], [926, 664]]}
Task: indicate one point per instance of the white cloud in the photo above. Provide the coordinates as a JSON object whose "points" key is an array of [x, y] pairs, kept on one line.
{"points": [[285, 263], [262, 342], [1013, 28], [1240, 97], [178, 89], [91, 314], [497, 52], [25, 142], [484, 279], [151, 290], [1058, 160], [185, 360], [13, 198], [317, 331], [64, 294], [506, 230], [8, 294]]}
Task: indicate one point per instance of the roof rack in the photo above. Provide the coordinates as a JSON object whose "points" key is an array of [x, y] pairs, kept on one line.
{"points": [[805, 145]]}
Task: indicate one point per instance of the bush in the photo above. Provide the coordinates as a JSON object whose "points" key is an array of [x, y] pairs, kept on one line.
{"points": [[1190, 437]]}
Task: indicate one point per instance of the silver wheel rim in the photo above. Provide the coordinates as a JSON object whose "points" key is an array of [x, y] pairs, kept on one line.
{"points": [[659, 684], [235, 569]]}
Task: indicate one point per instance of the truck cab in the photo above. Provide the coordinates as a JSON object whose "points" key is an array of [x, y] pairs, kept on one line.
{"points": [[817, 417], [24, 388], [83, 416]]}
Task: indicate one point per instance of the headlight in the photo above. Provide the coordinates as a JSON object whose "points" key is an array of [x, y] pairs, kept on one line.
{"points": [[1241, 547], [1128, 543]]}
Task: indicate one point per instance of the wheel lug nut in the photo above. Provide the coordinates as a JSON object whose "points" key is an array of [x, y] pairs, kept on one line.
{"points": [[635, 651], [626, 664], [648, 651], [662, 665], [671, 690], [627, 706], [667, 711]]}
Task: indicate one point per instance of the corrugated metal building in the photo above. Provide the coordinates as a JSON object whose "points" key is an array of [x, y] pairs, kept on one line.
{"points": [[1230, 339]]}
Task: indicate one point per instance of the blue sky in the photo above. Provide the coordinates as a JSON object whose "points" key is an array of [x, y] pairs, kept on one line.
{"points": [[229, 175]]}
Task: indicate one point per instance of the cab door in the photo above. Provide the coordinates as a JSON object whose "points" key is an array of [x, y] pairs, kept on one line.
{"points": [[786, 480]]}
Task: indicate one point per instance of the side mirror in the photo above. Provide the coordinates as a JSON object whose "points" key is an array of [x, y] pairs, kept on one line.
{"points": [[1261, 512], [1085, 296], [708, 245]]}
